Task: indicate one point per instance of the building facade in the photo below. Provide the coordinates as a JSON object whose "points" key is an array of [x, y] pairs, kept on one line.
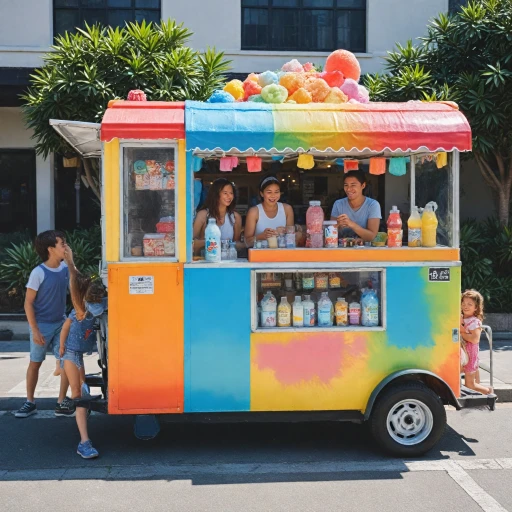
{"points": [[254, 34]]}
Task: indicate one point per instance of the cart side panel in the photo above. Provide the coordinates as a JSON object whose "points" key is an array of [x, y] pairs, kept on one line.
{"points": [[217, 339], [294, 371], [146, 340]]}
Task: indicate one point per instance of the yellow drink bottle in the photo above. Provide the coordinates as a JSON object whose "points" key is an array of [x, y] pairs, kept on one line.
{"points": [[429, 225], [414, 224]]}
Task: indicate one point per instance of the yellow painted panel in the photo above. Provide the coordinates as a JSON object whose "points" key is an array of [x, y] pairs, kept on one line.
{"points": [[182, 201], [112, 198]]}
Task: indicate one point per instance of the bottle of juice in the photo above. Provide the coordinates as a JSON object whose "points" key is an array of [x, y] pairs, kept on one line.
{"points": [[309, 311], [315, 224], [414, 224], [284, 313], [298, 312], [355, 313], [341, 310], [394, 228], [370, 308], [212, 235], [268, 310], [429, 225], [324, 311]]}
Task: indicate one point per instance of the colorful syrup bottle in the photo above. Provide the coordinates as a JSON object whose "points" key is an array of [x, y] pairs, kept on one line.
{"points": [[415, 225], [429, 225], [395, 232]]}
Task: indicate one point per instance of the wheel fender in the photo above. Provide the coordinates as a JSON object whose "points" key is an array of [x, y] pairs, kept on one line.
{"points": [[400, 375]]}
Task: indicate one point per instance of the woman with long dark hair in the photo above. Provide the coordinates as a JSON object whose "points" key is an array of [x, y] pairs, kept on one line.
{"points": [[264, 219], [220, 204]]}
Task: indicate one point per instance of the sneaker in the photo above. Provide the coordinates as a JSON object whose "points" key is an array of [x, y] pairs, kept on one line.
{"points": [[65, 408], [26, 410], [87, 451]]}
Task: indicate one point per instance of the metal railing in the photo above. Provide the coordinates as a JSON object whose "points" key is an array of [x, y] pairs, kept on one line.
{"points": [[488, 333]]}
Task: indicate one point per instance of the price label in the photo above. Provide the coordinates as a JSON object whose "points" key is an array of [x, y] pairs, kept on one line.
{"points": [[142, 285], [439, 275]]}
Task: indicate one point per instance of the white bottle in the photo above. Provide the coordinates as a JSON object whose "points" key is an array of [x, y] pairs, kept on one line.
{"points": [[268, 310], [298, 312], [325, 311], [309, 311], [212, 244]]}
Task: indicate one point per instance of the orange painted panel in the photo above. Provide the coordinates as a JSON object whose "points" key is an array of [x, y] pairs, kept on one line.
{"points": [[145, 345], [352, 254]]}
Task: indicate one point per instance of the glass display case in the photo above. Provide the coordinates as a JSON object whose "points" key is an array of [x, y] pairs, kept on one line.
{"points": [[318, 299], [149, 202]]}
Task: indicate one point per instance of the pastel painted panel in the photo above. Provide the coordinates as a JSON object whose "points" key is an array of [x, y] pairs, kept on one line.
{"points": [[217, 339]]}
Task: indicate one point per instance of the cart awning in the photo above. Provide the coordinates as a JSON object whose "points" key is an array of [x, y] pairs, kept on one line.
{"points": [[83, 137], [143, 120], [331, 128]]}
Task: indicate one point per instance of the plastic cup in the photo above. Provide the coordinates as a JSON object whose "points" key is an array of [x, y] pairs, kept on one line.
{"points": [[272, 242]]}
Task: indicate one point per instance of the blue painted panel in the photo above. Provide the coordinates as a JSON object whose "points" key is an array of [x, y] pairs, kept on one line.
{"points": [[217, 339], [229, 125], [409, 319]]}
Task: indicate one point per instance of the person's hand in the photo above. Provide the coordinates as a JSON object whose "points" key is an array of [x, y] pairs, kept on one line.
{"points": [[61, 351], [344, 221], [68, 255], [38, 338], [269, 232]]}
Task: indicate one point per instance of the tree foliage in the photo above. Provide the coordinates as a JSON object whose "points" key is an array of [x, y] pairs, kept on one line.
{"points": [[465, 57], [87, 69]]}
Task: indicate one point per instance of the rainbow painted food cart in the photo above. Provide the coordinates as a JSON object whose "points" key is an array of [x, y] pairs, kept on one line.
{"points": [[184, 335]]}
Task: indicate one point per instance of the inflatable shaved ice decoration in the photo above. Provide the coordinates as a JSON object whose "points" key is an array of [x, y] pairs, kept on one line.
{"points": [[136, 95], [333, 78], [274, 93], [220, 97], [301, 96], [318, 89], [267, 78], [344, 61], [250, 89], [293, 66], [302, 84], [350, 88], [292, 81], [235, 88], [336, 96]]}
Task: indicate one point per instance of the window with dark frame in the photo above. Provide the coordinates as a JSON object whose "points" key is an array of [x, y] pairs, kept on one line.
{"points": [[69, 14], [304, 25]]}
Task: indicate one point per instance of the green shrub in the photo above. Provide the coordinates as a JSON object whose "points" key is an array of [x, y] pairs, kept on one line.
{"points": [[8, 239], [486, 254], [21, 258]]}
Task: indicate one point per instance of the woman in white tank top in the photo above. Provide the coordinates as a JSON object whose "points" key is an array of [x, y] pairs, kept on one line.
{"points": [[220, 204], [263, 220]]}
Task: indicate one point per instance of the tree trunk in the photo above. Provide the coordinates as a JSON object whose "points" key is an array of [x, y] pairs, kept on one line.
{"points": [[499, 180], [88, 175]]}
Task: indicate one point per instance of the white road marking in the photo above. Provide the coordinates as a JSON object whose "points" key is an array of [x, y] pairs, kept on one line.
{"points": [[483, 499]]}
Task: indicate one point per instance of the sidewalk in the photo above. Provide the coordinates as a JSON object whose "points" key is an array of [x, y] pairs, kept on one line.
{"points": [[502, 356]]}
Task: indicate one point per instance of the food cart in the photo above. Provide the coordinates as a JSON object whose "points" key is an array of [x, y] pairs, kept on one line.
{"points": [[185, 337]]}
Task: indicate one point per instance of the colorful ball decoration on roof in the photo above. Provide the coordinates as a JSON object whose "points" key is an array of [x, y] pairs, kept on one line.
{"points": [[300, 84]]}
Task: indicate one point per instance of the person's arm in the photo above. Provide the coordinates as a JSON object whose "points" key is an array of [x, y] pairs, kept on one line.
{"points": [[250, 228], [368, 233], [290, 220], [198, 230], [64, 336], [68, 258], [30, 297], [471, 337]]}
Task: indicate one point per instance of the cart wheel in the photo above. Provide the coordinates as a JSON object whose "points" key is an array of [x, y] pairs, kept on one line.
{"points": [[408, 419]]}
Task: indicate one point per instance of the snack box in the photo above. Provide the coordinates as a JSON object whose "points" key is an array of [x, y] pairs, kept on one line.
{"points": [[153, 244], [165, 227]]}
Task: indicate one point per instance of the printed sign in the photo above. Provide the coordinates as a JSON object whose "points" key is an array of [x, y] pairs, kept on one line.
{"points": [[439, 274], [142, 285]]}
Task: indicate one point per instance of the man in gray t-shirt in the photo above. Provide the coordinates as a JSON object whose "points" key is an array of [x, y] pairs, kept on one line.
{"points": [[370, 209]]}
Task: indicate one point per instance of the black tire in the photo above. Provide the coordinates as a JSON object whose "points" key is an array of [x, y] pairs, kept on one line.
{"points": [[425, 404]]}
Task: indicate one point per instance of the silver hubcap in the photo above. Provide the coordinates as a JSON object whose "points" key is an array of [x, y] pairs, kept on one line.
{"points": [[409, 422]]}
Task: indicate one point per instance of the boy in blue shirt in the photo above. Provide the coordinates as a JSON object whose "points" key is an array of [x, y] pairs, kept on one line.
{"points": [[45, 307]]}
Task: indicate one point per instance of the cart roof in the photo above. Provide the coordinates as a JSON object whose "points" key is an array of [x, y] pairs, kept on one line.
{"points": [[143, 120], [327, 128]]}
